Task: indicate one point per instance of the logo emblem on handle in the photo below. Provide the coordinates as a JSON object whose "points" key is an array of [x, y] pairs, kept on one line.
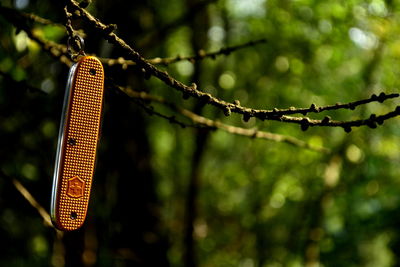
{"points": [[75, 187]]}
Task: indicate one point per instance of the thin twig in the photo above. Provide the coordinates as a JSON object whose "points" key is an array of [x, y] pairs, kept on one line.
{"points": [[28, 196], [68, 23], [371, 122], [170, 60], [19, 20], [172, 119], [38, 19], [56, 50], [205, 122], [30, 17]]}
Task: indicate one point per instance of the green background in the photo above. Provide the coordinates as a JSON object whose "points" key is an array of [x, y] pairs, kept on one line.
{"points": [[170, 196]]}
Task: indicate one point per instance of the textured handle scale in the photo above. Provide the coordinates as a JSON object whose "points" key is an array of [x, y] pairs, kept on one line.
{"points": [[76, 153]]}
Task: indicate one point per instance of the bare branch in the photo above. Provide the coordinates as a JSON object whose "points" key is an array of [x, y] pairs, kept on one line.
{"points": [[19, 20], [200, 120], [371, 122], [140, 98], [28, 196], [351, 105], [170, 60], [227, 107], [30, 17], [151, 111], [32, 201], [275, 114]]}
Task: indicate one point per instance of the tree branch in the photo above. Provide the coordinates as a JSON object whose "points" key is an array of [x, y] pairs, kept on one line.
{"points": [[32, 201], [371, 122], [59, 51], [205, 122], [30, 17], [170, 60], [228, 107], [19, 20]]}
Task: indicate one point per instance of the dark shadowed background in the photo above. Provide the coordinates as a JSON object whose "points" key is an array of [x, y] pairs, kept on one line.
{"points": [[164, 195]]}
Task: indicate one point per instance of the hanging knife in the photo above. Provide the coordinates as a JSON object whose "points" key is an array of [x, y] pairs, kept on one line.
{"points": [[77, 144]]}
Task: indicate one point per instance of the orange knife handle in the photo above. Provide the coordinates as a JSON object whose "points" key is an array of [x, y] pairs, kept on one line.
{"points": [[77, 144]]}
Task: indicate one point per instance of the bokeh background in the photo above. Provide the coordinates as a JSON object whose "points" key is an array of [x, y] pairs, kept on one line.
{"points": [[164, 195]]}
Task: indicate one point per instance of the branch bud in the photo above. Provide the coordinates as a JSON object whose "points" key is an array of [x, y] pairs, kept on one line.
{"points": [[205, 99], [347, 129], [326, 120], [382, 97], [246, 117], [227, 111], [313, 107], [305, 123], [371, 124]]}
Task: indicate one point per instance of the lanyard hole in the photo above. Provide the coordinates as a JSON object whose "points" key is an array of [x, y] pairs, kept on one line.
{"points": [[74, 215]]}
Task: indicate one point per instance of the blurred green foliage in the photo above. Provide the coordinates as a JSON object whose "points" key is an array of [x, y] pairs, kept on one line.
{"points": [[260, 203]]}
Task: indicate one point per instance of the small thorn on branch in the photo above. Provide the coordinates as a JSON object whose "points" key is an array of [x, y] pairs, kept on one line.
{"points": [[372, 121], [305, 123], [313, 108], [205, 99], [246, 117], [110, 28], [347, 129], [227, 111], [371, 124], [381, 97], [372, 117], [326, 120]]}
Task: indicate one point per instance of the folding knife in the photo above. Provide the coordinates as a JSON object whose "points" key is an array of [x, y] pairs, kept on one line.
{"points": [[77, 144]]}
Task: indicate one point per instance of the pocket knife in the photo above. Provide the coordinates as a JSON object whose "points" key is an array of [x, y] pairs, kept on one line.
{"points": [[77, 144]]}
